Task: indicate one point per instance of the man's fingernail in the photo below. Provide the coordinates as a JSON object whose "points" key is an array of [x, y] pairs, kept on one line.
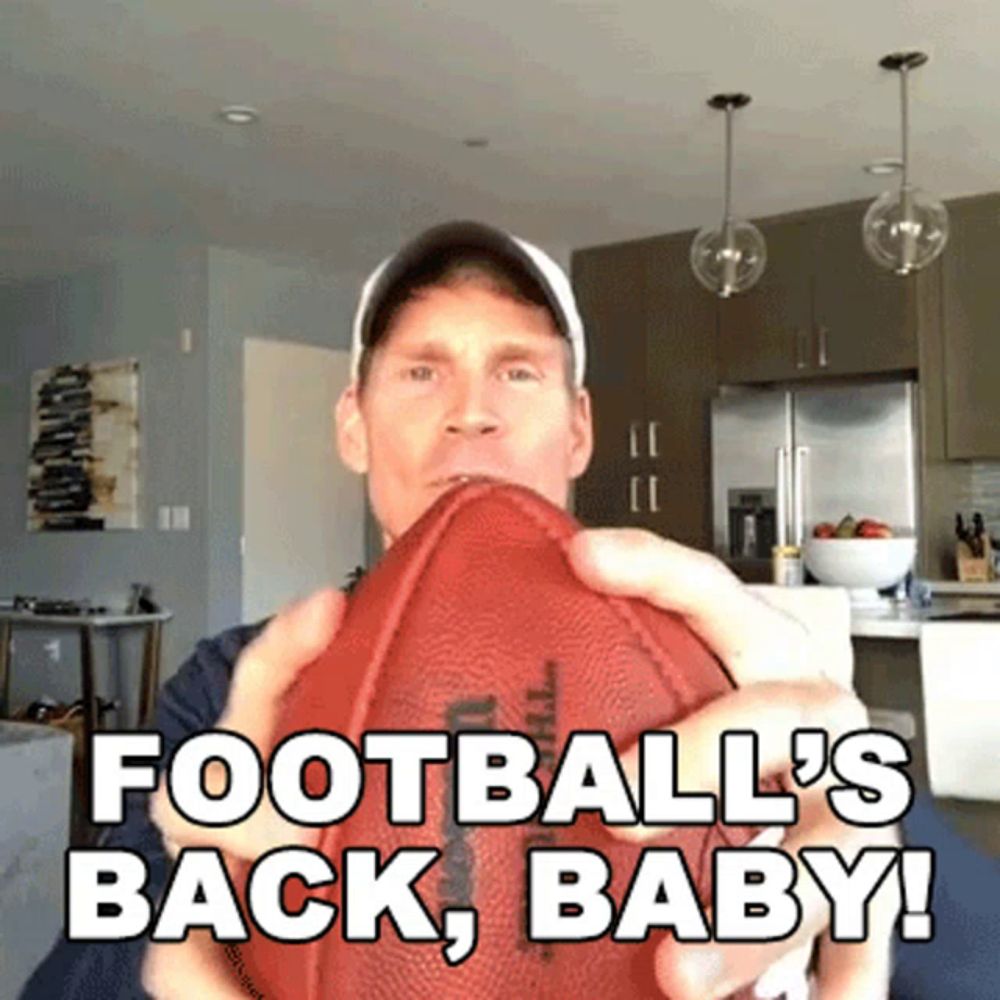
{"points": [[705, 968]]}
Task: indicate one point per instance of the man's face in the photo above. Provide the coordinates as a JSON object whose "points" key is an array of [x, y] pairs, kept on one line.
{"points": [[465, 382]]}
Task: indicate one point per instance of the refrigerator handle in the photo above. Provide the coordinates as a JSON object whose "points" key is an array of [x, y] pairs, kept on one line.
{"points": [[798, 497], [781, 495]]}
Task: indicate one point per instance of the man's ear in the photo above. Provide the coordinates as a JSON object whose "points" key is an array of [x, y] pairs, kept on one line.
{"points": [[582, 442], [352, 441]]}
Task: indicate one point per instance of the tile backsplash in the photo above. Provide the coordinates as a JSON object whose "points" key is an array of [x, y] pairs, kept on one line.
{"points": [[981, 491]]}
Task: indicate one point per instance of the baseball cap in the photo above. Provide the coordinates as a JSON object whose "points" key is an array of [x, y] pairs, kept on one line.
{"points": [[509, 251]]}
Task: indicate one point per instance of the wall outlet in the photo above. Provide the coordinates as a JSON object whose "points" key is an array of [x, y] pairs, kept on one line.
{"points": [[182, 518], [163, 521], [187, 340]]}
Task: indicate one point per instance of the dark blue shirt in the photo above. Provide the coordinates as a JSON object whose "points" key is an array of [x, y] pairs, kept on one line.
{"points": [[961, 963]]}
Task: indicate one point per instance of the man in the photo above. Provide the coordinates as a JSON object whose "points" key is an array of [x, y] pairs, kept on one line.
{"points": [[469, 360]]}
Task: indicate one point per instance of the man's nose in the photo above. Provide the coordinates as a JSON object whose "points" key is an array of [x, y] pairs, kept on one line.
{"points": [[470, 412]]}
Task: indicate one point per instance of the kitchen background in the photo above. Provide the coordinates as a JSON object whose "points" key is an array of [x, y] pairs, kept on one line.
{"points": [[136, 221]]}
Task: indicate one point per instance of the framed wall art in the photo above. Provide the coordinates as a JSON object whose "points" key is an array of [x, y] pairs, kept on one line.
{"points": [[83, 472]]}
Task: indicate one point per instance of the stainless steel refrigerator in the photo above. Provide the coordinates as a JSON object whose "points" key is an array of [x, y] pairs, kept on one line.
{"points": [[783, 460]]}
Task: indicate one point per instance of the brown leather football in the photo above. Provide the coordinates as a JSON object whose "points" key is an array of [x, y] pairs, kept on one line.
{"points": [[474, 618]]}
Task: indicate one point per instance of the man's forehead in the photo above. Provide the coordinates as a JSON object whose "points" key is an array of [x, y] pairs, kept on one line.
{"points": [[488, 342], [432, 320]]}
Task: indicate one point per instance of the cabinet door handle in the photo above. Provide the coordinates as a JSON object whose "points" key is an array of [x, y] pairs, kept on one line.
{"points": [[633, 439], [652, 433], [654, 494], [822, 358], [800, 355], [633, 494]]}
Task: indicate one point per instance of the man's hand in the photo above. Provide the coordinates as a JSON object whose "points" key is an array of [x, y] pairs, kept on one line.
{"points": [[767, 653], [264, 672]]}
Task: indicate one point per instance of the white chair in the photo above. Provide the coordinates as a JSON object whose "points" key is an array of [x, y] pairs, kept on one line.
{"points": [[960, 671]]}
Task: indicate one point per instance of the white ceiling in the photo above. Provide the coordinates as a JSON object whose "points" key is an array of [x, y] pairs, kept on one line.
{"points": [[595, 110]]}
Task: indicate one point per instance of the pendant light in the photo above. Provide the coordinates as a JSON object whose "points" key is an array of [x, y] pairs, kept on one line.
{"points": [[729, 258], [905, 230]]}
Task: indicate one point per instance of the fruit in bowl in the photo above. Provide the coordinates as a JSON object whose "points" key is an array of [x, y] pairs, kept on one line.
{"points": [[864, 556], [867, 527]]}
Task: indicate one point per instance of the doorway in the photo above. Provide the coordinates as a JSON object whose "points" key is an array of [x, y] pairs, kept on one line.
{"points": [[303, 511]]}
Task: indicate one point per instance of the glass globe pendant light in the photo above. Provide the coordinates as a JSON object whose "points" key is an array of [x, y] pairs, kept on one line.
{"points": [[729, 258], [905, 230]]}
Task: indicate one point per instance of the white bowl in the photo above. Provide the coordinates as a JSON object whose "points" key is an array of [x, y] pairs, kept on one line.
{"points": [[863, 565]]}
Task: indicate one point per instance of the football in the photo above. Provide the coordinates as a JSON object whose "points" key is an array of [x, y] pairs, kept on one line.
{"points": [[475, 621]]}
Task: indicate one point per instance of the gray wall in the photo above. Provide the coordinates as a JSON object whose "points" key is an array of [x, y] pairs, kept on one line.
{"points": [[253, 297], [133, 306]]}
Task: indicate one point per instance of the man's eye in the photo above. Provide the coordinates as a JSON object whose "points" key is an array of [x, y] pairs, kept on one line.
{"points": [[520, 373], [419, 373]]}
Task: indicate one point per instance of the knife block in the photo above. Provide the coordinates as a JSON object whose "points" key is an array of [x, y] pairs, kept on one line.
{"points": [[972, 569]]}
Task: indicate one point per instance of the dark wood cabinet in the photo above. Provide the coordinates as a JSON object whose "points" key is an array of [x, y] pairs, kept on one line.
{"points": [[608, 283], [680, 380], [764, 333], [822, 307], [971, 330], [864, 317], [651, 372]]}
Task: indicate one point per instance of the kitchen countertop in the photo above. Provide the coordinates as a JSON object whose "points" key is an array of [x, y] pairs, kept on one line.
{"points": [[965, 589], [900, 620]]}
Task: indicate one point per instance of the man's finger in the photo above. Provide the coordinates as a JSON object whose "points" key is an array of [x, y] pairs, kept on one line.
{"points": [[863, 969], [263, 830], [263, 674], [268, 666], [195, 967], [788, 978], [717, 969], [755, 640], [847, 971], [774, 710]]}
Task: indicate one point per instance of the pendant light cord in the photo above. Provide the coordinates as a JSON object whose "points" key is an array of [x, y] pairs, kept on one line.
{"points": [[729, 164], [904, 101]]}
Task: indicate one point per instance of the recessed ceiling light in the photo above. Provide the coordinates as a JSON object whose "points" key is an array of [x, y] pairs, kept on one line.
{"points": [[885, 165], [239, 114], [476, 142]]}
